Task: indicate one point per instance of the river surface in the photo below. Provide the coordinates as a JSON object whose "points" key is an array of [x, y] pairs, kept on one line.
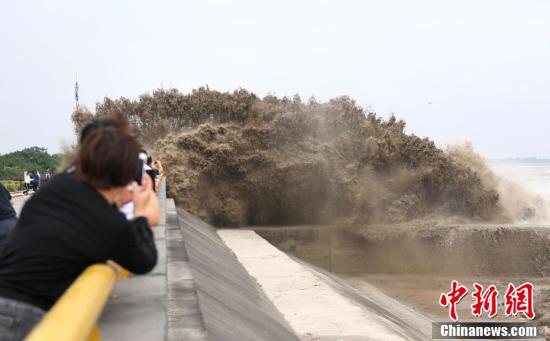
{"points": [[533, 173], [422, 292]]}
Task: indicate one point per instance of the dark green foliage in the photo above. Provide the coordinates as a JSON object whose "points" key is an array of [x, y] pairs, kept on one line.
{"points": [[13, 185], [12, 165]]}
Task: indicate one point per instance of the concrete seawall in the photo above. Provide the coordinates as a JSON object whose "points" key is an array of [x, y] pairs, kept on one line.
{"points": [[249, 290], [316, 304], [232, 305]]}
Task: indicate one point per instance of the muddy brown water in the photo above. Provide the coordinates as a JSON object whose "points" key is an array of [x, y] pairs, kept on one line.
{"points": [[415, 264]]}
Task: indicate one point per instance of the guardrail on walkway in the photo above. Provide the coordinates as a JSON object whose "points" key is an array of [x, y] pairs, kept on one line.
{"points": [[75, 314]]}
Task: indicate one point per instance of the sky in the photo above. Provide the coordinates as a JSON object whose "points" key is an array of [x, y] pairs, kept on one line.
{"points": [[453, 70]]}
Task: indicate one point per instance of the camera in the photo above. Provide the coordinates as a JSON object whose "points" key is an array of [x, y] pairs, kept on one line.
{"points": [[142, 158]]}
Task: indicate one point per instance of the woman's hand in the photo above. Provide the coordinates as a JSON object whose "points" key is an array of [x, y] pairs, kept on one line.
{"points": [[145, 201]]}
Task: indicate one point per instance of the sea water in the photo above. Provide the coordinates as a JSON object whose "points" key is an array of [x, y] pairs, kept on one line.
{"points": [[532, 173]]}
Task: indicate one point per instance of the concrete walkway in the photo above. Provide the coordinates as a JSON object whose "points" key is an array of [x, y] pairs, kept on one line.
{"points": [[18, 203], [161, 305], [137, 308], [185, 321]]}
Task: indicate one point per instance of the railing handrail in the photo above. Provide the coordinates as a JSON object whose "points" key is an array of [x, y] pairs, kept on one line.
{"points": [[75, 314]]}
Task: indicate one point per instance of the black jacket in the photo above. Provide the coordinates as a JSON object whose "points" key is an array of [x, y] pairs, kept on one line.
{"points": [[62, 229], [6, 209]]}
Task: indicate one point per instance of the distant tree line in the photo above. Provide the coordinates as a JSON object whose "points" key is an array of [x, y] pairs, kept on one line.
{"points": [[12, 165]]}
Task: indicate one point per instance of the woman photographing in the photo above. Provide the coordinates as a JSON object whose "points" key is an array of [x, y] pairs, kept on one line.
{"points": [[74, 222]]}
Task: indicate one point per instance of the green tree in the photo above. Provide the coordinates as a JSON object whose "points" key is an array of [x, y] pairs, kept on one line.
{"points": [[33, 158]]}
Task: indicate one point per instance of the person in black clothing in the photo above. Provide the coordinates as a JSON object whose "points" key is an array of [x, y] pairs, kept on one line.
{"points": [[35, 180], [151, 171], [8, 218], [72, 223]]}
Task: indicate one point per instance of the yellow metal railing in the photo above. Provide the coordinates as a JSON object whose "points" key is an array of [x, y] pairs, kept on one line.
{"points": [[75, 314]]}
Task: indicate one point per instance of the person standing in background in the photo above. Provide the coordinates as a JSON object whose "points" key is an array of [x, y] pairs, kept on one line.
{"points": [[35, 180], [151, 171], [159, 171], [27, 180], [157, 165], [47, 176]]}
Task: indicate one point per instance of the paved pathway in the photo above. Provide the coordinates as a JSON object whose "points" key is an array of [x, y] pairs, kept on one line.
{"points": [[18, 203]]}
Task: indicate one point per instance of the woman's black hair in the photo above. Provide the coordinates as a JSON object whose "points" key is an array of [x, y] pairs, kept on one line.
{"points": [[108, 155], [117, 121]]}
